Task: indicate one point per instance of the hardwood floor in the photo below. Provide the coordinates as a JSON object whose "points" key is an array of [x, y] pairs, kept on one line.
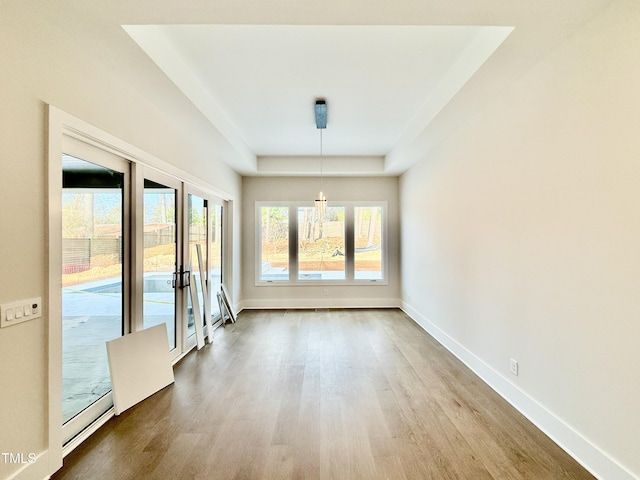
{"points": [[340, 394]]}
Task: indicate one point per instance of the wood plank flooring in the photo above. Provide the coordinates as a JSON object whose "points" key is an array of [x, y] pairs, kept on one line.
{"points": [[339, 394]]}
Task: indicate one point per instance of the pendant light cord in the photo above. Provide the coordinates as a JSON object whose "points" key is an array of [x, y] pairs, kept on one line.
{"points": [[321, 173]]}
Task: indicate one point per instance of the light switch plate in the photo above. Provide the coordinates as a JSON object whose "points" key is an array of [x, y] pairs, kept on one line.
{"points": [[21, 311]]}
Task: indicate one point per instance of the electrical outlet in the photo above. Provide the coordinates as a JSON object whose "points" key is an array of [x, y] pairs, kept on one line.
{"points": [[514, 367], [326, 292]]}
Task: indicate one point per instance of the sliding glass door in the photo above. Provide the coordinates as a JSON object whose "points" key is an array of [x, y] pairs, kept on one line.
{"points": [[215, 254], [196, 259], [160, 258], [94, 273], [139, 248], [203, 256]]}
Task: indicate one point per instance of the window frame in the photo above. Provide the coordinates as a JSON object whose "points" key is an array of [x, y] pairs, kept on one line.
{"points": [[349, 230]]}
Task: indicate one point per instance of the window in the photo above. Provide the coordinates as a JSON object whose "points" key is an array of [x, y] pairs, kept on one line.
{"points": [[273, 240], [321, 244], [294, 247], [367, 232]]}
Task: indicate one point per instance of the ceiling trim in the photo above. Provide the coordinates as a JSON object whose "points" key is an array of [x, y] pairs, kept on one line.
{"points": [[312, 165], [477, 52], [153, 41]]}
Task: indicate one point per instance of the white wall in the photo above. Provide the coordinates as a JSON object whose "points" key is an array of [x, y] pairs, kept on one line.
{"points": [[44, 63], [521, 239], [304, 188]]}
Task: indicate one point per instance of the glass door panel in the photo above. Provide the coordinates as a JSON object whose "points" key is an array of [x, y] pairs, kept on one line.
{"points": [[92, 279], [197, 229], [160, 257], [215, 254]]}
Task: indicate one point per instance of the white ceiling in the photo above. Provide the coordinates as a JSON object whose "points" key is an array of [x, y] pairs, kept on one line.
{"points": [[261, 81], [399, 77]]}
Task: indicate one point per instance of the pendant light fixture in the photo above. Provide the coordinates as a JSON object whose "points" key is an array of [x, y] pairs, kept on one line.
{"points": [[321, 124]]}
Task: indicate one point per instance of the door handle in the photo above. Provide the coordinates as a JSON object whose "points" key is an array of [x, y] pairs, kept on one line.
{"points": [[181, 278]]}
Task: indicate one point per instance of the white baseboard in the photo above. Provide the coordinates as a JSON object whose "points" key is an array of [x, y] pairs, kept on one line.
{"points": [[238, 306], [581, 449], [304, 303], [37, 468]]}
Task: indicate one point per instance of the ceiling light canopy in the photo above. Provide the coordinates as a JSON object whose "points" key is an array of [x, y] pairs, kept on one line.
{"points": [[321, 114]]}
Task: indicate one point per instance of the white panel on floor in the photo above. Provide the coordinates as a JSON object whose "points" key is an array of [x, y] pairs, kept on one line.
{"points": [[140, 365]]}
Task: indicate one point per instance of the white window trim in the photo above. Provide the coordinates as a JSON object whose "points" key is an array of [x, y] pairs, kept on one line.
{"points": [[293, 244]]}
